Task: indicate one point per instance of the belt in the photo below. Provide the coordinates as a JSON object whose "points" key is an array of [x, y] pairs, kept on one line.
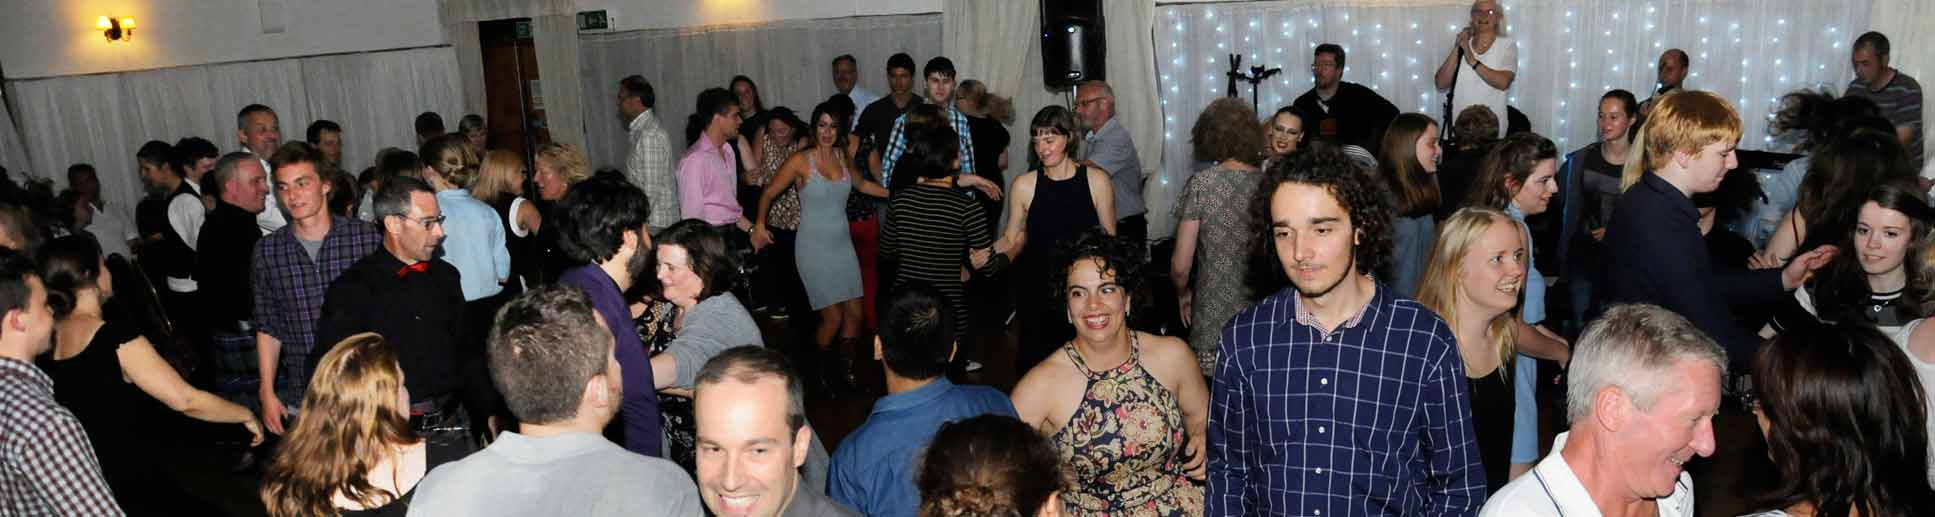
{"points": [[236, 326]]}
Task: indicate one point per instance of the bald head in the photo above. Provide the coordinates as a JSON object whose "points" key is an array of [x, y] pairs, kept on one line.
{"points": [[1673, 65]]}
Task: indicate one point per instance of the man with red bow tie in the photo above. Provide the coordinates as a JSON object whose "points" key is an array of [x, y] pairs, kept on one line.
{"points": [[415, 301]]}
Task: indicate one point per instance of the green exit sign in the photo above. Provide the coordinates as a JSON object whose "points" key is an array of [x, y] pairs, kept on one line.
{"points": [[594, 20]]}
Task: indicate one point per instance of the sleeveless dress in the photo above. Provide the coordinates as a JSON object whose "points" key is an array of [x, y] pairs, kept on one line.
{"points": [[523, 248], [1124, 443], [828, 265], [1061, 210], [1493, 403], [90, 384]]}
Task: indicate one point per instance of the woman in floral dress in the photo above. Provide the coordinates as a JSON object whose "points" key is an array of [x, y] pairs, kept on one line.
{"points": [[1127, 410]]}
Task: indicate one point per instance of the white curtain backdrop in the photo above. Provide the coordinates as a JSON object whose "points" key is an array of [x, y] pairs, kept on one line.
{"points": [[104, 118], [13, 151], [556, 39], [1570, 52], [1906, 23], [790, 61]]}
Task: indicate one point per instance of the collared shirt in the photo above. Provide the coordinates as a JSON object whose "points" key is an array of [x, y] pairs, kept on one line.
{"points": [[419, 313], [1371, 418], [289, 289], [1112, 149], [873, 468], [47, 466], [809, 503], [222, 266], [474, 243], [1654, 253], [1553, 490], [897, 144], [708, 187], [112, 231], [649, 166], [638, 414], [567, 474]]}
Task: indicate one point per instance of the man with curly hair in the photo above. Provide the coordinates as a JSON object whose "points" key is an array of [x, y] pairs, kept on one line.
{"points": [[1337, 395]]}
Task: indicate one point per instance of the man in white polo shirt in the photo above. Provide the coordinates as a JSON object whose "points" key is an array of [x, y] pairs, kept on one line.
{"points": [[1644, 387]]}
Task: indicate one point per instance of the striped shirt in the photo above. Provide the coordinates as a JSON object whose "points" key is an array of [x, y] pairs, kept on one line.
{"points": [[1901, 102], [931, 228], [1371, 418], [47, 466]]}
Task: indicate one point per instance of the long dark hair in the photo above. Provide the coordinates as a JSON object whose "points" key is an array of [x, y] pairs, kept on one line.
{"points": [[1511, 159], [1846, 422], [1842, 294], [1843, 170], [1414, 190]]}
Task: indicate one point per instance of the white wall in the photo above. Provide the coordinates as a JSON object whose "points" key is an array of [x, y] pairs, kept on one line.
{"points": [[41, 38], [659, 14]]}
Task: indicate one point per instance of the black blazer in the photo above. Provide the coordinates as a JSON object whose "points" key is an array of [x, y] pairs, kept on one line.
{"points": [[1654, 253]]}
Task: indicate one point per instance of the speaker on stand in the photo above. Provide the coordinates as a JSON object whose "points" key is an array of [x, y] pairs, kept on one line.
{"points": [[1073, 46]]}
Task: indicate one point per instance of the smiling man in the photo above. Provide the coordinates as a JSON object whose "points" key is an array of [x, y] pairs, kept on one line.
{"points": [[1641, 396], [753, 437], [1337, 396]]}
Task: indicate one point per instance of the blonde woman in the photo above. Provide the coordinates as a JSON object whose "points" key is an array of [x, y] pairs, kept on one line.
{"points": [[352, 452], [559, 166], [1473, 280], [500, 184]]}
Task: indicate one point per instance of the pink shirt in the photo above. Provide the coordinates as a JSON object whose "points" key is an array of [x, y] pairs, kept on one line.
{"points": [[708, 187]]}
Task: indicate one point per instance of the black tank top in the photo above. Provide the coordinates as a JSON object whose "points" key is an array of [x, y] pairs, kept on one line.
{"points": [[1060, 211]]}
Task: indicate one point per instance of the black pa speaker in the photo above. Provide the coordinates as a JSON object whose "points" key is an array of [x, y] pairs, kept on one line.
{"points": [[1072, 43]]}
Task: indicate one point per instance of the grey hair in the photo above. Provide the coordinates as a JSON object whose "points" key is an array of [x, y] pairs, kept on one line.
{"points": [[1634, 347], [1107, 91], [225, 166], [394, 197]]}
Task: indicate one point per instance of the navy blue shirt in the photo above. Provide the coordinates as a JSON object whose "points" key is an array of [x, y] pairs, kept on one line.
{"points": [[1371, 418], [873, 469], [1654, 254]]}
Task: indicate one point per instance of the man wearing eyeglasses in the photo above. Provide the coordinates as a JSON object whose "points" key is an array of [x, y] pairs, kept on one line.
{"points": [[1108, 146], [404, 293], [1339, 112]]}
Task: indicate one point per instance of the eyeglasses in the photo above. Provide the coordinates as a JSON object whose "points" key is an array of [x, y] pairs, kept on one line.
{"points": [[1484, 12], [431, 222]]}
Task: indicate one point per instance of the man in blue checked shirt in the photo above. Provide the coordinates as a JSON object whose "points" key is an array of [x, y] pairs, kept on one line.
{"points": [[1338, 396]]}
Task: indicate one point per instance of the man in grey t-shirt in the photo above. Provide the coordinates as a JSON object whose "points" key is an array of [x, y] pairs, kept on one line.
{"points": [[1898, 95], [552, 357]]}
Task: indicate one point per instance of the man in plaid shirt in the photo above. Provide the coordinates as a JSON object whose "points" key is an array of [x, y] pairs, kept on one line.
{"points": [[47, 466], [293, 269], [940, 92], [1338, 396]]}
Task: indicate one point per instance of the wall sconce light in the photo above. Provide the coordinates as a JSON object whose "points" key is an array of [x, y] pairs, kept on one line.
{"points": [[116, 29]]}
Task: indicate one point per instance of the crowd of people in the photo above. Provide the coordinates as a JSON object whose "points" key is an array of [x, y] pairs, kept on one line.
{"points": [[1367, 301]]}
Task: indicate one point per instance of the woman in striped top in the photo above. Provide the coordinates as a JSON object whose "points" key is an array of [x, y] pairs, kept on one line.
{"points": [[932, 224]]}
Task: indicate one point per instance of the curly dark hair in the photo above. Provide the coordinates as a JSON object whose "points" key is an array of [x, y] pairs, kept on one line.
{"points": [[1845, 422], [1512, 159], [1113, 252], [594, 215], [988, 465], [1227, 130], [1355, 187]]}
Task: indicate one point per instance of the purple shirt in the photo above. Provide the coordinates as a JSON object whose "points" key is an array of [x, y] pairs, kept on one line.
{"points": [[708, 188], [637, 425]]}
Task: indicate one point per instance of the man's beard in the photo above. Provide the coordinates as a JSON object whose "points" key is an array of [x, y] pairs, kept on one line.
{"points": [[1350, 266], [640, 262]]}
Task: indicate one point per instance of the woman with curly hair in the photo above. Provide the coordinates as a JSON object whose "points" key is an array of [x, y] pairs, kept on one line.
{"points": [[1845, 420], [353, 451], [1129, 418], [1213, 224], [990, 465]]}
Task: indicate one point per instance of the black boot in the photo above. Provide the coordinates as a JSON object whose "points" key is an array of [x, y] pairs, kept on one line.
{"points": [[836, 374]]}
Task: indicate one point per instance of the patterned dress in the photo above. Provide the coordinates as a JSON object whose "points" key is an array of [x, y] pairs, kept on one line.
{"points": [[1218, 198], [1124, 443], [785, 211]]}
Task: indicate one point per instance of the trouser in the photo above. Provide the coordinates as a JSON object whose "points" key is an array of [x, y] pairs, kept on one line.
{"points": [[481, 400], [191, 327], [1135, 230]]}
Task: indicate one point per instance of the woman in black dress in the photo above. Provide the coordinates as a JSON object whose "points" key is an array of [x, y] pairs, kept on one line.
{"points": [[1472, 280], [499, 184], [988, 118], [102, 369]]}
